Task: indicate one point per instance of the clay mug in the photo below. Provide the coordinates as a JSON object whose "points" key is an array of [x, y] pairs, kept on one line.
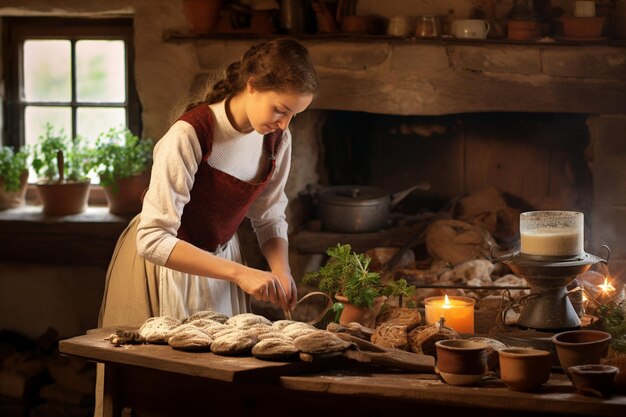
{"points": [[584, 8], [461, 362], [470, 28], [594, 380], [581, 347], [524, 369]]}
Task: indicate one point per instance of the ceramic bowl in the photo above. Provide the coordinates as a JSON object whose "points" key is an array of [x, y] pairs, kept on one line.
{"points": [[524, 369], [461, 362], [581, 347], [593, 380]]}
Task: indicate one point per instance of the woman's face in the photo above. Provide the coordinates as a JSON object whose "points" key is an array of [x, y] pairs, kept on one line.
{"points": [[268, 110]]}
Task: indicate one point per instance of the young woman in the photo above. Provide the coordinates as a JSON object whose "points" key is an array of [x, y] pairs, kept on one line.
{"points": [[225, 158]]}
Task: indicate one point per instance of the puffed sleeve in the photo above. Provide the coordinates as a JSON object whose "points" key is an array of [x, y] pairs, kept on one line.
{"points": [[267, 212], [176, 159]]}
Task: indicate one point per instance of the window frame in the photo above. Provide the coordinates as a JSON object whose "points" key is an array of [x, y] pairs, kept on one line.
{"points": [[17, 29]]}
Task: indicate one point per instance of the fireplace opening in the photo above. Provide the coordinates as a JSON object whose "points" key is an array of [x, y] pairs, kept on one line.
{"points": [[538, 161]]}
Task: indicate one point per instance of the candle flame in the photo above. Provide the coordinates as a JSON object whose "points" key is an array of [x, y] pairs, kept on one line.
{"points": [[446, 302], [607, 287]]}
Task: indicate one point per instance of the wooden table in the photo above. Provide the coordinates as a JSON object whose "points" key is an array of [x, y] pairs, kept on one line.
{"points": [[156, 380]]}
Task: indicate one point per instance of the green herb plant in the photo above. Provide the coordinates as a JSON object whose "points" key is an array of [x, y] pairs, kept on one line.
{"points": [[12, 166], [76, 157], [346, 273], [120, 154], [613, 321]]}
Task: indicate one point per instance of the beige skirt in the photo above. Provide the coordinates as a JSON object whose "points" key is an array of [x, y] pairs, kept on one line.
{"points": [[136, 289]]}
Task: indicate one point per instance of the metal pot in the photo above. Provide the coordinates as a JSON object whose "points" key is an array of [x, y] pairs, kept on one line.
{"points": [[358, 209]]}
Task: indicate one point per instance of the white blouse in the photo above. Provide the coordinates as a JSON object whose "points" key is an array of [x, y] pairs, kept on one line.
{"points": [[176, 159]]}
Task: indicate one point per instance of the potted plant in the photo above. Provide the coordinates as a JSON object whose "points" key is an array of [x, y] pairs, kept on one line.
{"points": [[123, 162], [13, 177], [346, 277], [62, 166]]}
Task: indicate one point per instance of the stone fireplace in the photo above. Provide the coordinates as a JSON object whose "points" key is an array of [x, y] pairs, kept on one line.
{"points": [[543, 122]]}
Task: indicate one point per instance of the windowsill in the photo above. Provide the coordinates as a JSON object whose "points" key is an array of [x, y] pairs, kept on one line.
{"points": [[86, 238]]}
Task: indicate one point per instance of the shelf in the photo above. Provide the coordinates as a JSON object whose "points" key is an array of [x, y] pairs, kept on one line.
{"points": [[184, 37]]}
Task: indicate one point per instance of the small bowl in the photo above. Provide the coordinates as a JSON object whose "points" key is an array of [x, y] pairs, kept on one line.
{"points": [[581, 347], [461, 362], [594, 380], [524, 369]]}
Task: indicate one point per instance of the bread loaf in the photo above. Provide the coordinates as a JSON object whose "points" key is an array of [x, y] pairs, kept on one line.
{"points": [[190, 338], [299, 331], [422, 339], [247, 319], [155, 329], [274, 348], [211, 315], [409, 317], [320, 342], [391, 336], [281, 324], [234, 343]]}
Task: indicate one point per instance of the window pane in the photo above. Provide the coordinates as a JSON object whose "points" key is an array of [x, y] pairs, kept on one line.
{"points": [[47, 70], [93, 121], [100, 71], [35, 119]]}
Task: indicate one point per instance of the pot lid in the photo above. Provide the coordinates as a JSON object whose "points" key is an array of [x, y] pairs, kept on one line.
{"points": [[353, 195]]}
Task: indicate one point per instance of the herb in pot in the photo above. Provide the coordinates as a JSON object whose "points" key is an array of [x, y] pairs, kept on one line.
{"points": [[613, 321], [12, 167], [55, 149], [120, 154]]}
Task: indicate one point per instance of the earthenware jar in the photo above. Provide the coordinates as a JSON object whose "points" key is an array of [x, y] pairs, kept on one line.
{"points": [[593, 380], [581, 347], [461, 362], [524, 369]]}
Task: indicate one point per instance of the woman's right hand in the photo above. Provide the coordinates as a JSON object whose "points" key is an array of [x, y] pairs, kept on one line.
{"points": [[263, 286]]}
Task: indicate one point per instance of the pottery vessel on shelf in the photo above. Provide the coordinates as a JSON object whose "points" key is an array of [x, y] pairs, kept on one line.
{"points": [[581, 347], [593, 380], [461, 362], [583, 27], [524, 369]]}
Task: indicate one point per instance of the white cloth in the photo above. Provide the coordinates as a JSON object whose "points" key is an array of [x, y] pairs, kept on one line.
{"points": [[176, 159]]}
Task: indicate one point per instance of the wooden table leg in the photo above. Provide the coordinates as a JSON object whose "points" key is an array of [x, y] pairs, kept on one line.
{"points": [[111, 402]]}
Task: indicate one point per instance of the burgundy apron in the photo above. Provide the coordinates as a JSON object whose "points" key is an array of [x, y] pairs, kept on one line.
{"points": [[218, 201]]}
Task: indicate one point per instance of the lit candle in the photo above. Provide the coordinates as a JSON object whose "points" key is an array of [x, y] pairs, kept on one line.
{"points": [[458, 312]]}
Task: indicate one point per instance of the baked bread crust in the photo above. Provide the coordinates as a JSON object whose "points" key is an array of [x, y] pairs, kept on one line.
{"points": [[275, 348], [391, 336]]}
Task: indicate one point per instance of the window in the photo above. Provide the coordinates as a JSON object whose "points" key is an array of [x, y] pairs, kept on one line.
{"points": [[74, 74]]}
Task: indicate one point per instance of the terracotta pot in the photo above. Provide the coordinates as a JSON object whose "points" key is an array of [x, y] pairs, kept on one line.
{"points": [[594, 380], [363, 315], [60, 199], [523, 29], [524, 369], [583, 27], [461, 362], [581, 347], [202, 15], [13, 199], [125, 197]]}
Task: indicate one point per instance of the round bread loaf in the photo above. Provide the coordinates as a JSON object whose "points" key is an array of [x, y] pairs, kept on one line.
{"points": [[320, 342], [211, 315], [234, 343], [155, 329], [247, 319], [182, 328], [274, 334], [275, 348], [422, 339], [409, 317], [297, 332], [391, 336], [281, 324], [190, 338]]}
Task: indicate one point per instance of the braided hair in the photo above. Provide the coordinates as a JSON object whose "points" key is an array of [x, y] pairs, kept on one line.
{"points": [[279, 65]]}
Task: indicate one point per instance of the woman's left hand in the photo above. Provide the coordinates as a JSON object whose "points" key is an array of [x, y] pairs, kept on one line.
{"points": [[289, 286]]}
